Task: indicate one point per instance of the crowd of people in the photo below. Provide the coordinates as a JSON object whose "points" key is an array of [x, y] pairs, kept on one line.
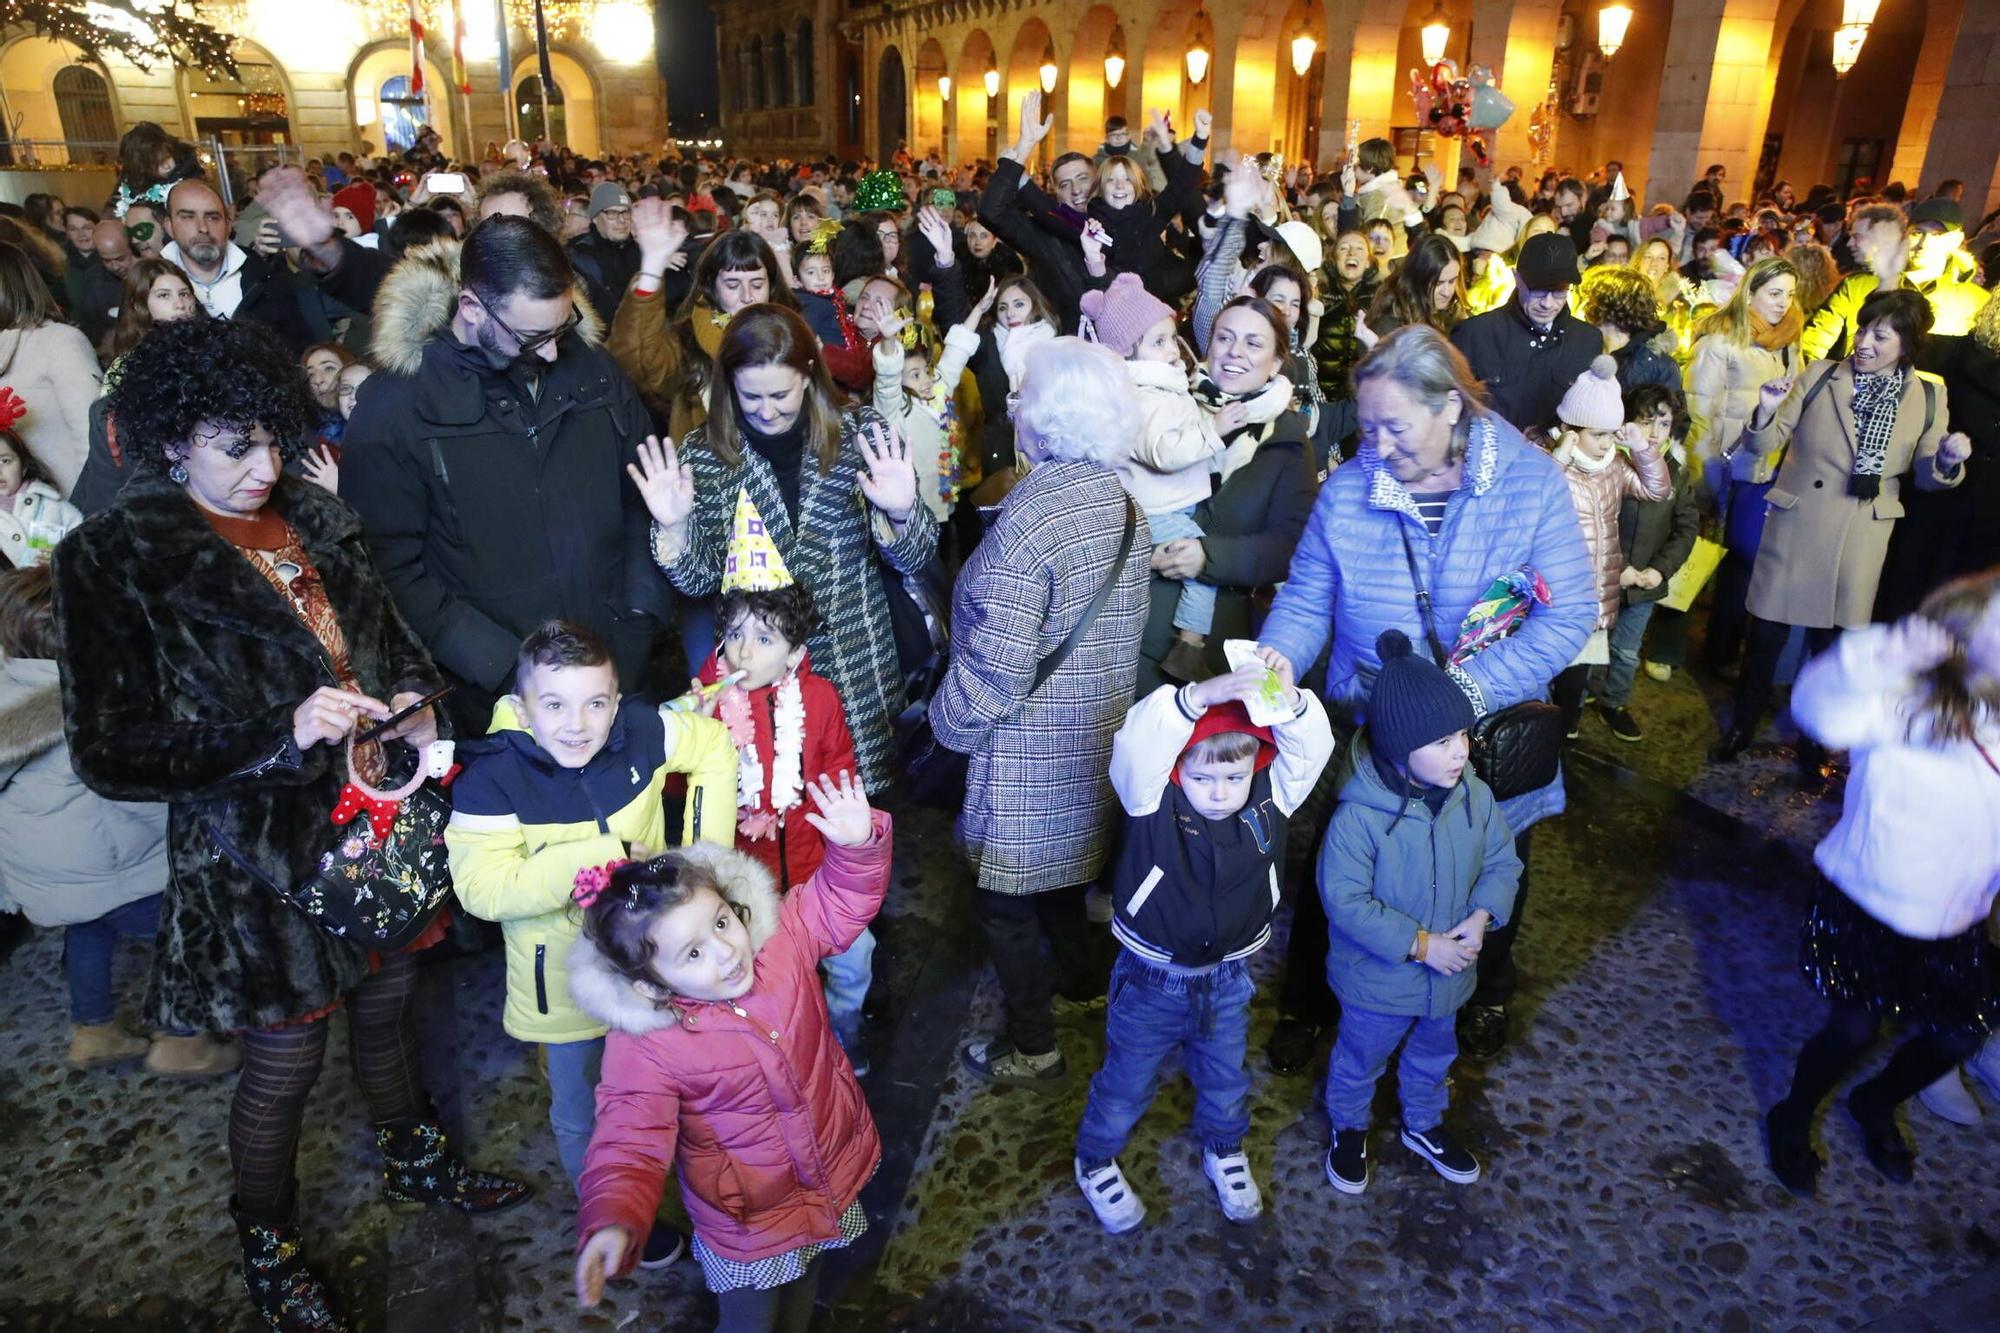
{"points": [[1151, 509]]}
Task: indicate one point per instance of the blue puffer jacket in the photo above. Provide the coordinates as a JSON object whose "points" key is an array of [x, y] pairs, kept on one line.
{"points": [[1389, 868], [1349, 577]]}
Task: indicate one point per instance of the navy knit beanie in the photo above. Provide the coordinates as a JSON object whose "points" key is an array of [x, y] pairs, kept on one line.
{"points": [[1414, 703]]}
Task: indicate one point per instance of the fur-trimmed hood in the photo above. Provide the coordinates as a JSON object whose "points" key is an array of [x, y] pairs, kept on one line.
{"points": [[601, 992], [415, 304], [31, 716]]}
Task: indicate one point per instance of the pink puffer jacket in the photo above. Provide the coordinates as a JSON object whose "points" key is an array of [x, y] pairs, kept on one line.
{"points": [[750, 1101], [1639, 475]]}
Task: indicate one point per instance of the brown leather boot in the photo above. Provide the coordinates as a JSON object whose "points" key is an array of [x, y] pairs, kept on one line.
{"points": [[93, 1045], [191, 1057]]}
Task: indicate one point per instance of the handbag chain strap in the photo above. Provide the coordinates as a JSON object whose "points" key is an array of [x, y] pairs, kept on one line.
{"points": [[1423, 598]]}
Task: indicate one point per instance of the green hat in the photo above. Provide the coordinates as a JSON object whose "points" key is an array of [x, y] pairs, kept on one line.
{"points": [[880, 190]]}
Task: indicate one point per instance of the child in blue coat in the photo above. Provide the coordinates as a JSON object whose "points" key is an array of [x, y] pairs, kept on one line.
{"points": [[1417, 865]]}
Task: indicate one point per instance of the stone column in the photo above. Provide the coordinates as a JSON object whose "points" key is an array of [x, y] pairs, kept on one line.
{"points": [[1714, 99], [1927, 81], [1517, 39], [1965, 138]]}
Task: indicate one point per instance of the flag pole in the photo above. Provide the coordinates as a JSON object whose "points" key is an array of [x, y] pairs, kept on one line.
{"points": [[547, 74]]}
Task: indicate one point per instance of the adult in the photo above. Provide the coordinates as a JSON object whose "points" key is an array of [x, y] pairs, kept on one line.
{"points": [[836, 493], [224, 633], [1440, 470], [232, 283], [1529, 351], [1739, 348], [1851, 430], [1924, 257], [146, 228], [485, 462], [96, 291], [1427, 288], [50, 366], [1037, 822], [1049, 242], [1252, 523], [606, 257], [1348, 284], [1621, 304]]}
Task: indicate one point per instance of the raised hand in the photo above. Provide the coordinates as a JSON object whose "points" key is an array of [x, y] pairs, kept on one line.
{"points": [[304, 218], [665, 483], [1954, 450], [936, 230], [890, 481], [1203, 123], [1243, 187], [985, 303], [1156, 129], [1034, 126], [890, 323], [1773, 395], [659, 233], [844, 818]]}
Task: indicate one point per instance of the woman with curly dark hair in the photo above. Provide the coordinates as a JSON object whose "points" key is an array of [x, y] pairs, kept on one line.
{"points": [[1626, 310], [225, 635]]}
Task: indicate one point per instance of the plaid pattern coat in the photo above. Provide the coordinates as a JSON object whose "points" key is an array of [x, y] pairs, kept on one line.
{"points": [[1038, 802], [832, 553]]}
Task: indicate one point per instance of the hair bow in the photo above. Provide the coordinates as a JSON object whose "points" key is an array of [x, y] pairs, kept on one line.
{"points": [[381, 813], [12, 409], [592, 881]]}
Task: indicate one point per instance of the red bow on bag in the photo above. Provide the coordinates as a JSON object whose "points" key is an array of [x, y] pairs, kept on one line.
{"points": [[381, 813], [12, 409]]}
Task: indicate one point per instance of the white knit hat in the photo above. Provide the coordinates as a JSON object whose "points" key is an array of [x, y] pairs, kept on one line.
{"points": [[1594, 401]]}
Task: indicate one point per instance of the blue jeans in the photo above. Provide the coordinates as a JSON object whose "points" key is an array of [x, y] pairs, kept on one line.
{"points": [[1195, 611], [87, 950], [1626, 636], [1367, 1039], [847, 978], [574, 1067], [1152, 1014]]}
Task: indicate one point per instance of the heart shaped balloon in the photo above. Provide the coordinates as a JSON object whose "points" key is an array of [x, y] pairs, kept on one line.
{"points": [[1490, 107]]}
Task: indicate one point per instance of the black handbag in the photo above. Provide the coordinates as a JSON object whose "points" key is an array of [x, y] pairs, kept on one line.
{"points": [[933, 773], [1516, 749], [380, 885]]}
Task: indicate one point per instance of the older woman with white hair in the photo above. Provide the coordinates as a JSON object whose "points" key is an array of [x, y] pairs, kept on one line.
{"points": [[1044, 651]]}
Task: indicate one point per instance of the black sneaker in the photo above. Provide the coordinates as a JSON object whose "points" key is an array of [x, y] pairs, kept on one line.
{"points": [[1621, 722], [1445, 1156], [1482, 1031], [663, 1246], [996, 1061], [1347, 1161]]}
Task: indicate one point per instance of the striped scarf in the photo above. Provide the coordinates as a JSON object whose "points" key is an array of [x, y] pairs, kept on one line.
{"points": [[1875, 400]]}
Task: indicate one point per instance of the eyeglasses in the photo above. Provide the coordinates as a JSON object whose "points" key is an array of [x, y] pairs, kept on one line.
{"points": [[525, 344]]}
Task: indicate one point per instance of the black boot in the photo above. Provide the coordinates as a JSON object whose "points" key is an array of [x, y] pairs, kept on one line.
{"points": [[1888, 1151], [1788, 1137], [418, 1166], [283, 1290], [1733, 743]]}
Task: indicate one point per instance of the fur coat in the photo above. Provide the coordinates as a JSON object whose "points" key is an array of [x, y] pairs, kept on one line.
{"points": [[181, 671]]}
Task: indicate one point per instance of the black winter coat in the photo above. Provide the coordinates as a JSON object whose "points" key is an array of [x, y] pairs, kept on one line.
{"points": [[489, 507], [1054, 262], [1526, 385], [181, 669], [1944, 534], [1658, 534], [606, 267], [1250, 526], [276, 297]]}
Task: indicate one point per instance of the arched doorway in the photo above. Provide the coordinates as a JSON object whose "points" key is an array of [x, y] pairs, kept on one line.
{"points": [[528, 104], [83, 104], [576, 121], [387, 112], [892, 106], [255, 107], [49, 94]]}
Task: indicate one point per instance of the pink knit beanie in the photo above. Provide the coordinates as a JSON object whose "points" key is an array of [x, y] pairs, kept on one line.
{"points": [[1594, 402], [1120, 315]]}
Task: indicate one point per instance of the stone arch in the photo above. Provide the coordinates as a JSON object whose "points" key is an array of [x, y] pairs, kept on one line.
{"points": [[1156, 55], [1814, 116], [778, 69], [1020, 74], [29, 69], [583, 101], [753, 64], [1089, 101], [208, 102], [929, 120], [374, 66], [892, 104], [980, 122]]}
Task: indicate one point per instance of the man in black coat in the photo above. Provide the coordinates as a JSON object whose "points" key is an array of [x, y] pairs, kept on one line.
{"points": [[606, 257], [1529, 351], [231, 282], [1055, 258], [487, 463]]}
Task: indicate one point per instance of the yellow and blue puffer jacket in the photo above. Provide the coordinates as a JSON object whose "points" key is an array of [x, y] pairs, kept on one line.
{"points": [[522, 826]]}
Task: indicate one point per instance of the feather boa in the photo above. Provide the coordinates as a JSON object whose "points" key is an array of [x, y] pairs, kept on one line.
{"points": [[754, 818]]}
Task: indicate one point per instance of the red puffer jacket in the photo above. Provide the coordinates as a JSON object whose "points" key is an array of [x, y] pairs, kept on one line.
{"points": [[750, 1100]]}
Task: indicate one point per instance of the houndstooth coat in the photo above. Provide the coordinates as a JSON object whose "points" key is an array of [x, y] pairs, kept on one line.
{"points": [[1038, 804], [832, 554]]}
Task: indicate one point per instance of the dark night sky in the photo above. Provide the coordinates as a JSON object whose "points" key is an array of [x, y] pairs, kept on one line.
{"points": [[686, 47]]}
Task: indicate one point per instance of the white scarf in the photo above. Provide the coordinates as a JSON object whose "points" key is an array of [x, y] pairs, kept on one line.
{"points": [[1571, 456], [1015, 344]]}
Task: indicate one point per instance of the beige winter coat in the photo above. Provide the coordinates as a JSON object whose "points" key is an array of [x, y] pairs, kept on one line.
{"points": [[1821, 557], [1723, 378], [54, 371]]}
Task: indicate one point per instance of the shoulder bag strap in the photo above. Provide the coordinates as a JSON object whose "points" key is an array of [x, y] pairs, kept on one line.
{"points": [[1097, 603], [1423, 596]]}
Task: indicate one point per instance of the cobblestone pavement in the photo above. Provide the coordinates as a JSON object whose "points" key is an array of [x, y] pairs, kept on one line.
{"points": [[1624, 1183]]}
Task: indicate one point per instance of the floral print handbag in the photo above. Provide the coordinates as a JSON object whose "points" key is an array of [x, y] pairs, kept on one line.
{"points": [[387, 875]]}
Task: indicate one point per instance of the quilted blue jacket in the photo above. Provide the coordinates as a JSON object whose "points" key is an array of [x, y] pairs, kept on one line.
{"points": [[1349, 578]]}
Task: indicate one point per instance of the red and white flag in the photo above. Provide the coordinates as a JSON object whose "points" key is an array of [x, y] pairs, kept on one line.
{"points": [[416, 49]]}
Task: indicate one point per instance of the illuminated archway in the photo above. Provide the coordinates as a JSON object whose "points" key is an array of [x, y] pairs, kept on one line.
{"points": [[929, 120], [581, 99], [1021, 73], [981, 122], [1088, 101], [256, 107], [373, 69]]}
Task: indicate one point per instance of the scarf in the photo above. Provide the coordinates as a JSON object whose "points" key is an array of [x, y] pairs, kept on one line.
{"points": [[1015, 344], [1266, 406], [1571, 456], [1876, 398], [1777, 337]]}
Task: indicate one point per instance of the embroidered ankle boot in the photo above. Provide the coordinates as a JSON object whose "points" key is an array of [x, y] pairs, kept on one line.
{"points": [[418, 1166], [283, 1290]]}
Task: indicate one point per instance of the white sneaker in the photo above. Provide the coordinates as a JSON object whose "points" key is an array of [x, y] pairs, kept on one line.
{"points": [[1118, 1209], [1948, 1100], [1235, 1187]]}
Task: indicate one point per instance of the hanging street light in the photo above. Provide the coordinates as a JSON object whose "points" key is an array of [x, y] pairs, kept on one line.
{"points": [[992, 77], [1612, 21], [1303, 46], [1114, 58], [1198, 51], [1436, 34], [1049, 71], [944, 87], [1855, 18]]}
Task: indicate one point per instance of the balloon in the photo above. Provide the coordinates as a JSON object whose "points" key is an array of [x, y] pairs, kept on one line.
{"points": [[1479, 149], [1420, 93], [1490, 107]]}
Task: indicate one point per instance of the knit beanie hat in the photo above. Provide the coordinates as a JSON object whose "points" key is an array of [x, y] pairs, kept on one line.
{"points": [[1413, 703], [1594, 402], [358, 199], [608, 194], [1120, 314]]}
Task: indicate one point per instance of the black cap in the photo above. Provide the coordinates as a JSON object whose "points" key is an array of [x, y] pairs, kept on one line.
{"points": [[1548, 261], [1943, 212]]}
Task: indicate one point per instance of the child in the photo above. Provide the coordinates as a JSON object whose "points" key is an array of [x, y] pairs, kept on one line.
{"points": [[825, 309], [721, 1064], [1656, 536], [1591, 427], [1208, 795], [33, 514], [568, 778], [921, 400], [1417, 865], [1181, 441], [788, 727], [1897, 924]]}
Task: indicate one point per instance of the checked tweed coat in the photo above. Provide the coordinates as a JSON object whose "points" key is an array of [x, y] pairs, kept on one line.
{"points": [[832, 553], [1038, 801]]}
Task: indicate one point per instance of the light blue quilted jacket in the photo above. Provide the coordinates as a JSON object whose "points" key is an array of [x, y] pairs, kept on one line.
{"points": [[1349, 577]]}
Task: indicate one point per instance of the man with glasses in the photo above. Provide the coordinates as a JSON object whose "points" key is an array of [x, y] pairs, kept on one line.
{"points": [[231, 282], [605, 256], [487, 463]]}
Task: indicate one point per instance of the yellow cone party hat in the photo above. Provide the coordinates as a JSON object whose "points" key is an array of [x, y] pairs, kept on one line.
{"points": [[754, 564]]}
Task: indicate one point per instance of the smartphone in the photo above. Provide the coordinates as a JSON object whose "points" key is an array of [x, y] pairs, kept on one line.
{"points": [[394, 718], [446, 182]]}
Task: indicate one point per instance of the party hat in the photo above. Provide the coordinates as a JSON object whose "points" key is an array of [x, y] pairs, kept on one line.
{"points": [[880, 190], [1618, 190], [753, 564]]}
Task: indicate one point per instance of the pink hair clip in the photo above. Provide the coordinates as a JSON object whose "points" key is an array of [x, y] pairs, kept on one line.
{"points": [[592, 881]]}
